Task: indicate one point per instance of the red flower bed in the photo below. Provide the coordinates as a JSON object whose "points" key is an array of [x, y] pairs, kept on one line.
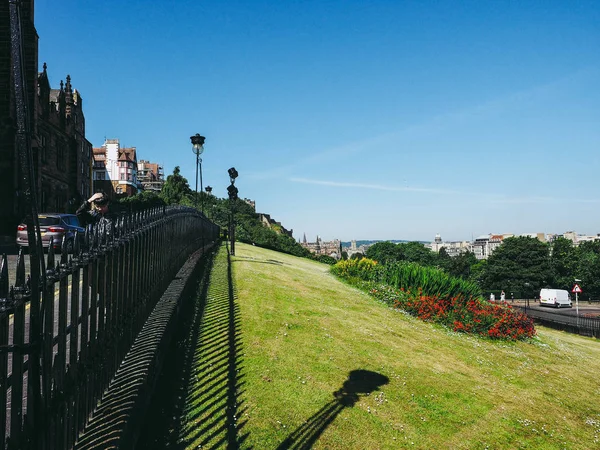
{"points": [[473, 315]]}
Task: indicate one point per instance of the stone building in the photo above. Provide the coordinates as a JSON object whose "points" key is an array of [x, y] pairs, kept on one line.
{"points": [[320, 247], [61, 155], [452, 248], [151, 176], [267, 221], [354, 249], [11, 211], [115, 169]]}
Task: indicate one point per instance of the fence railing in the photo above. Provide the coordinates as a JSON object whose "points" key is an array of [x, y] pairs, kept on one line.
{"points": [[583, 325], [93, 304]]}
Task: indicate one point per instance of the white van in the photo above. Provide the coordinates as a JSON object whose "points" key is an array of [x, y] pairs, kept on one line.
{"points": [[555, 297]]}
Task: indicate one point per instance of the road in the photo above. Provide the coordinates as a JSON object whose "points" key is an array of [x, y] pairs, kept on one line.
{"points": [[586, 309]]}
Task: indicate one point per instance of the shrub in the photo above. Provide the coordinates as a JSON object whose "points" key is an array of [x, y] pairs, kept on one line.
{"points": [[434, 296]]}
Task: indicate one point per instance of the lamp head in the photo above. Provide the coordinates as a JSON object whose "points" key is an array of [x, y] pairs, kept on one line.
{"points": [[197, 143], [233, 192], [233, 174]]}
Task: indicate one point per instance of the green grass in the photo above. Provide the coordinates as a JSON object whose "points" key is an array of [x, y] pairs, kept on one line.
{"points": [[302, 332]]}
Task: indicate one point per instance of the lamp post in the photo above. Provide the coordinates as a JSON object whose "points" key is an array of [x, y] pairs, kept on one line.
{"points": [[577, 302], [233, 195], [527, 285], [198, 148]]}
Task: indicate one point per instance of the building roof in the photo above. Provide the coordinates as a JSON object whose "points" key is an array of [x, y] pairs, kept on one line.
{"points": [[127, 154]]}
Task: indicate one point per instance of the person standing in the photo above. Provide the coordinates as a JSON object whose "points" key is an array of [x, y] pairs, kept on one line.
{"points": [[95, 211], [502, 296]]}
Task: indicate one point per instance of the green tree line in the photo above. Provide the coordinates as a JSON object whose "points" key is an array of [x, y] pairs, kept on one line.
{"points": [[521, 266], [249, 229]]}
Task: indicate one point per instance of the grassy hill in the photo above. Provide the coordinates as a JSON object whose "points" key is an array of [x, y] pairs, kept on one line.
{"points": [[304, 333], [294, 359]]}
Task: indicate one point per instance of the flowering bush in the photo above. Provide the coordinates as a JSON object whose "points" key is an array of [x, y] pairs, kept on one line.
{"points": [[363, 269], [461, 312]]}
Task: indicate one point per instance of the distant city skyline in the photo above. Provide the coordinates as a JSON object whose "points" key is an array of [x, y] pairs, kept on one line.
{"points": [[348, 120]]}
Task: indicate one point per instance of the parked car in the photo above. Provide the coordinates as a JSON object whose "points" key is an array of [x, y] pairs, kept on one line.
{"points": [[53, 226]]}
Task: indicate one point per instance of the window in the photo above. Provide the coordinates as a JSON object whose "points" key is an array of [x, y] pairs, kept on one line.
{"points": [[44, 199], [60, 155], [43, 147]]}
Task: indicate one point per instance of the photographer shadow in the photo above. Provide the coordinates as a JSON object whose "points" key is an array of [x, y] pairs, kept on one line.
{"points": [[359, 383]]}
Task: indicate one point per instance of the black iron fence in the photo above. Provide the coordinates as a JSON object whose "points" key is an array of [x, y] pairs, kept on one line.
{"points": [[578, 324], [93, 304]]}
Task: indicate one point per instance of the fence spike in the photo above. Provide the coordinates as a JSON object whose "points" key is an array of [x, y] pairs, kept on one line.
{"points": [[96, 236], [64, 254], [77, 243], [20, 279], [51, 264], [4, 277], [87, 238]]}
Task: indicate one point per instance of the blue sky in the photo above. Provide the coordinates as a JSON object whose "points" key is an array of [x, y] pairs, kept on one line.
{"points": [[353, 119]]}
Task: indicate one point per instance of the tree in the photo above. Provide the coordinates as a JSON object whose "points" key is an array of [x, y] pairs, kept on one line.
{"points": [[443, 259], [588, 269], [417, 252], [520, 265], [384, 252], [564, 263], [141, 200], [176, 190], [462, 264]]}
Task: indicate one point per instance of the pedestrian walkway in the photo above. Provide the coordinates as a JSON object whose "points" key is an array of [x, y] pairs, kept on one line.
{"points": [[196, 403]]}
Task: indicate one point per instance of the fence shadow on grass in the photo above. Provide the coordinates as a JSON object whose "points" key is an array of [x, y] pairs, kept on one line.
{"points": [[359, 382], [197, 403]]}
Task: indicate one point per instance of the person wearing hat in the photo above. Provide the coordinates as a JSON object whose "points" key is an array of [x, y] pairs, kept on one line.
{"points": [[94, 210]]}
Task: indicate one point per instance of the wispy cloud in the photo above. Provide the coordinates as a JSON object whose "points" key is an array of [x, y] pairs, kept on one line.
{"points": [[378, 187], [487, 197], [431, 125]]}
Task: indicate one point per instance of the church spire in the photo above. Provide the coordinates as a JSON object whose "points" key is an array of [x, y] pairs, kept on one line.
{"points": [[68, 97]]}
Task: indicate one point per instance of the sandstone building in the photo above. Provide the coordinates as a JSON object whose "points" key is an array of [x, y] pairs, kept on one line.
{"points": [[320, 247], [151, 176], [61, 155], [115, 169]]}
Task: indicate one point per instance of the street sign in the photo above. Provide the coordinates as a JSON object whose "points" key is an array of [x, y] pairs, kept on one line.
{"points": [[576, 289]]}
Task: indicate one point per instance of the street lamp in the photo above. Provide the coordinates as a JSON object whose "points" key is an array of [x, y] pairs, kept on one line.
{"points": [[232, 191], [198, 148]]}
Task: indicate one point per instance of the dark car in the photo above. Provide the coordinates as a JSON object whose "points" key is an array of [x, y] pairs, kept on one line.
{"points": [[53, 226]]}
